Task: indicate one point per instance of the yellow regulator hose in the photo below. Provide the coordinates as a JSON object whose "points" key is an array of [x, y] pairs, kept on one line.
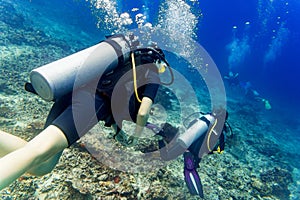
{"points": [[134, 78]]}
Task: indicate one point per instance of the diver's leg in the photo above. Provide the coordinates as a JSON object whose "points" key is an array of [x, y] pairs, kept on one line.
{"points": [[47, 144], [74, 119], [59, 107], [9, 143], [45, 167]]}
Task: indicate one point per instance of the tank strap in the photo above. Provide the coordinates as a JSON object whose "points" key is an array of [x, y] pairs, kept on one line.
{"points": [[205, 120], [118, 50]]}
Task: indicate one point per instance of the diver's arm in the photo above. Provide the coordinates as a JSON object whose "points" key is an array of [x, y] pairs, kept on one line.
{"points": [[143, 115]]}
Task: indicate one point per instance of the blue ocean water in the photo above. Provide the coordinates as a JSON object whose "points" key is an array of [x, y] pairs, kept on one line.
{"points": [[258, 39], [267, 47], [271, 41]]}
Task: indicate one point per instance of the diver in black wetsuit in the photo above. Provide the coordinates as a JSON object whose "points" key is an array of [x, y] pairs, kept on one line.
{"points": [[71, 116], [232, 79], [170, 148], [250, 92]]}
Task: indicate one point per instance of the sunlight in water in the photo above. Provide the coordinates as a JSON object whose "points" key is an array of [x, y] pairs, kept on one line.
{"points": [[276, 44], [175, 18]]}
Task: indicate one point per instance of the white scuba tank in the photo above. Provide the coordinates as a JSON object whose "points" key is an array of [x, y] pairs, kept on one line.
{"points": [[195, 131], [56, 79]]}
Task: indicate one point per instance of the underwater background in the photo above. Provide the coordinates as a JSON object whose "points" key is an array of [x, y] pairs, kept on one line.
{"points": [[257, 39]]}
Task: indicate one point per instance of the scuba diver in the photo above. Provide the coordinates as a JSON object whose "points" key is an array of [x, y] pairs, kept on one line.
{"points": [[200, 138], [252, 94], [76, 110], [232, 78]]}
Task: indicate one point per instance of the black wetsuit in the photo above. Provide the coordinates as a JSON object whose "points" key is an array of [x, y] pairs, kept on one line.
{"points": [[110, 99]]}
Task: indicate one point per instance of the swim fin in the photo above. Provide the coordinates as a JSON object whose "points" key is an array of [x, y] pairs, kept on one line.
{"points": [[191, 175]]}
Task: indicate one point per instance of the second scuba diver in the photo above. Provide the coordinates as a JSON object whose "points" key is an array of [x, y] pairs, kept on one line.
{"points": [[199, 139]]}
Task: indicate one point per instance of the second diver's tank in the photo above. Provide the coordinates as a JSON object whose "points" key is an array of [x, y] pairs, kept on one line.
{"points": [[199, 127]]}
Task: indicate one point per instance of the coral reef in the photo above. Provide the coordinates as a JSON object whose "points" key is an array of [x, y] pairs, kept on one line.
{"points": [[276, 183]]}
